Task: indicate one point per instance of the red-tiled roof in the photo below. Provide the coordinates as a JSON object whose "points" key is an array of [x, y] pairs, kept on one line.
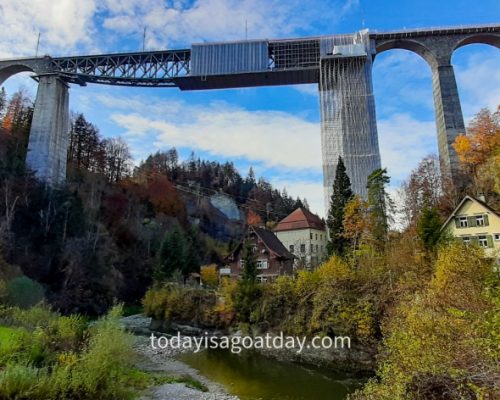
{"points": [[301, 218]]}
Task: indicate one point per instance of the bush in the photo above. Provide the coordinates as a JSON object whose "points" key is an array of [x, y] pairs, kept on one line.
{"points": [[24, 292], [441, 344], [64, 358], [191, 306]]}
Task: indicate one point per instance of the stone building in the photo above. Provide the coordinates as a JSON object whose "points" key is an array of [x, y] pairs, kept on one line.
{"points": [[304, 235]]}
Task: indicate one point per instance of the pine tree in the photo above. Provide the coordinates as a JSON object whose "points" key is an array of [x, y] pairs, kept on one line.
{"points": [[380, 206], [172, 254], [429, 227], [249, 274], [341, 195]]}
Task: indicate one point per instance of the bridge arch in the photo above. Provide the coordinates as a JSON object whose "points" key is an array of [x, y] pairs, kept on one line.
{"points": [[410, 45], [489, 39], [13, 69]]}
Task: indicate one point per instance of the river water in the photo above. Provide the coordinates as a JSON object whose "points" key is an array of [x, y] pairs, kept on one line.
{"points": [[252, 376]]}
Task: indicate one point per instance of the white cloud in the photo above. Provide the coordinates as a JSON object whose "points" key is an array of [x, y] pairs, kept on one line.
{"points": [[404, 141], [213, 20], [478, 80], [273, 138], [64, 24]]}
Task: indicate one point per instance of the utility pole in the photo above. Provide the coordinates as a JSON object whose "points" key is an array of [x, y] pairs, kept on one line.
{"points": [[144, 40]]}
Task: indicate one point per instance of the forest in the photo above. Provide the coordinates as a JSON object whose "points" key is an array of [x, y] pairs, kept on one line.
{"points": [[98, 238]]}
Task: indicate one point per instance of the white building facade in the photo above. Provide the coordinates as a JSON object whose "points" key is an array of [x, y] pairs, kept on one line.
{"points": [[304, 235]]}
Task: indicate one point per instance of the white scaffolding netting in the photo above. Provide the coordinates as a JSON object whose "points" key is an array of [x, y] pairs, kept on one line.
{"points": [[348, 122]]}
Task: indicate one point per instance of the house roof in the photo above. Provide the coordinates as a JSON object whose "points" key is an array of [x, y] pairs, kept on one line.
{"points": [[301, 218], [272, 243], [470, 198]]}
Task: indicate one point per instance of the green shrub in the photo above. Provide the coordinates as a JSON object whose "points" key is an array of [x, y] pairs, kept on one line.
{"points": [[24, 292]]}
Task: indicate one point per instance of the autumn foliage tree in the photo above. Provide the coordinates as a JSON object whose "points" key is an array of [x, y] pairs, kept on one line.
{"points": [[479, 153], [356, 222]]}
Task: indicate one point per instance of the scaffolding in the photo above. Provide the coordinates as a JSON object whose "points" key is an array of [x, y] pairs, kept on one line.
{"points": [[348, 122]]}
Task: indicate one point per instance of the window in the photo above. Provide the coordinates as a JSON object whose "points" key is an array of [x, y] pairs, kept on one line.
{"points": [[479, 220], [312, 248], [311, 236], [497, 237], [292, 249], [261, 264], [483, 241], [242, 263], [462, 221], [302, 248], [262, 279], [466, 239], [317, 248], [316, 236]]}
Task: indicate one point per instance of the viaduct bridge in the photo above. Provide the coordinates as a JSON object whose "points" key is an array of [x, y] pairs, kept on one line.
{"points": [[341, 65]]}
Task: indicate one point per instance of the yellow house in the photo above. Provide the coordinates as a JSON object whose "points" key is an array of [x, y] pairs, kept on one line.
{"points": [[473, 221]]}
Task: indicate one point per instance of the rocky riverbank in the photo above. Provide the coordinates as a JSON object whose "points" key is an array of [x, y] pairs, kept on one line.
{"points": [[163, 361]]}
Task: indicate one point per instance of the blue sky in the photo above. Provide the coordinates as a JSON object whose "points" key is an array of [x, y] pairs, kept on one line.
{"points": [[275, 130]]}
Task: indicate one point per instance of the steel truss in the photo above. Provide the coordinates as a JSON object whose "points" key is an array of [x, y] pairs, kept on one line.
{"points": [[157, 68]]}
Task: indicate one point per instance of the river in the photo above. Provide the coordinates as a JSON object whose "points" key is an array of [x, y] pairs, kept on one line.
{"points": [[252, 376]]}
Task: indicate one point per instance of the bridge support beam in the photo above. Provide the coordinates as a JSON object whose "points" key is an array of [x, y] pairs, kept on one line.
{"points": [[49, 136], [348, 122], [449, 118]]}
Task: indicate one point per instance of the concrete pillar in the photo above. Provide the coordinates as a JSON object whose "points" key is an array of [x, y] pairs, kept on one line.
{"points": [[449, 118], [348, 122], [49, 136]]}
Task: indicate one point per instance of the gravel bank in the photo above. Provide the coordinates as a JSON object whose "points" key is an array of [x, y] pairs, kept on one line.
{"points": [[162, 360]]}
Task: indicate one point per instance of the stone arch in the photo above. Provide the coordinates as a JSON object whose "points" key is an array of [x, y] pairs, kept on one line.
{"points": [[12, 69], [410, 45], [482, 38]]}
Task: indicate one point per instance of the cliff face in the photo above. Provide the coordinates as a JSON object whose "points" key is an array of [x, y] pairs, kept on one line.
{"points": [[217, 216]]}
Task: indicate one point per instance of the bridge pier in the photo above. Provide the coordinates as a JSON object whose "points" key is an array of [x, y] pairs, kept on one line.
{"points": [[348, 122], [449, 118], [49, 135]]}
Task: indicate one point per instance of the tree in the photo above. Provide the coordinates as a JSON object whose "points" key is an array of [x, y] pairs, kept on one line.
{"points": [[86, 149], [429, 228], [341, 195], [380, 206], [479, 154], [172, 254], [355, 222], [209, 275], [249, 274], [253, 219], [423, 187], [118, 159], [3, 102]]}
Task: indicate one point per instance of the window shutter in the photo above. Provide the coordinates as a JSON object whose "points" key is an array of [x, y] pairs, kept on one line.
{"points": [[486, 222], [457, 223], [489, 238], [474, 240], [471, 221]]}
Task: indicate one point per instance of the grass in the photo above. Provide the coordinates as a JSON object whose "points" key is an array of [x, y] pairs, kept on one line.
{"points": [[8, 336]]}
